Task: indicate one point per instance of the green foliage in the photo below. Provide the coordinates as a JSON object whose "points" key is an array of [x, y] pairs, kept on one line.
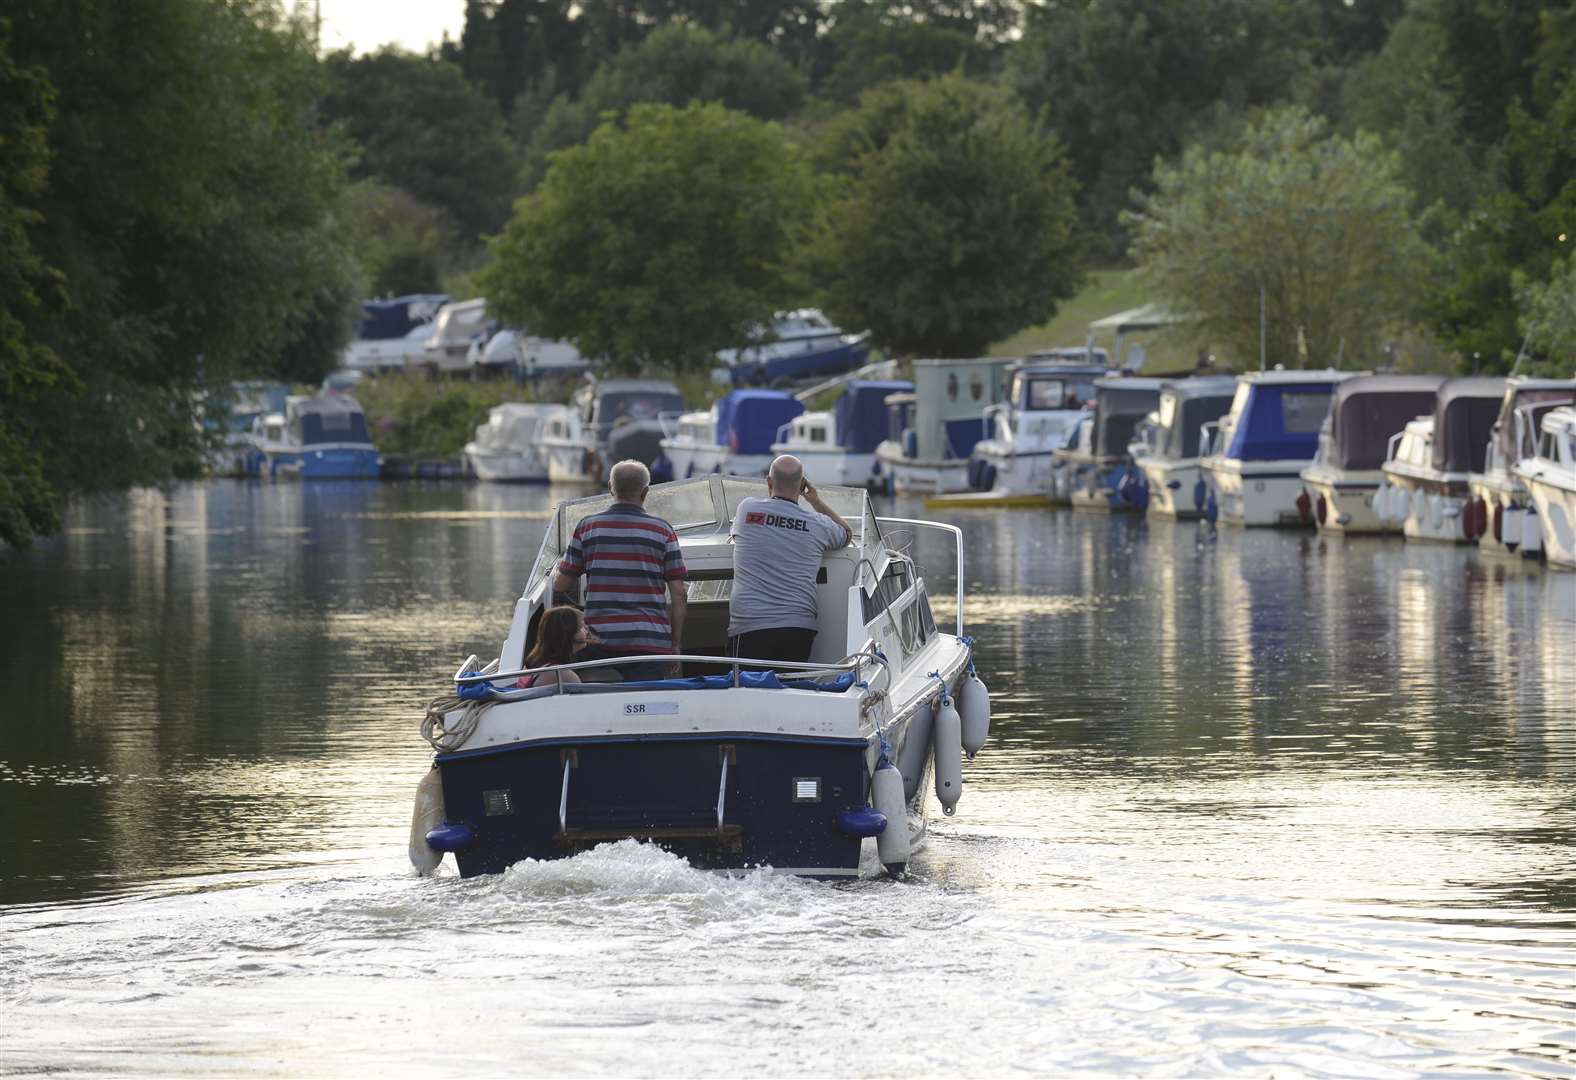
{"points": [[676, 65], [403, 245], [421, 127], [414, 415], [657, 242], [187, 218], [871, 42], [953, 228], [1548, 318], [1322, 223]]}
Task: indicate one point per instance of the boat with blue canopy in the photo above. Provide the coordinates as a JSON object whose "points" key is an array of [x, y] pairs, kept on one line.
{"points": [[316, 438], [734, 436], [804, 768], [838, 446]]}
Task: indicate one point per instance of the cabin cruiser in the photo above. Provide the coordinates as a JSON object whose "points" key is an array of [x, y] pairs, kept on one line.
{"points": [[1098, 466], [316, 438], [530, 356], [1080, 446], [1497, 490], [735, 764], [610, 420], [1425, 490], [508, 446], [393, 332], [249, 402], [455, 329], [734, 436], [798, 345], [1550, 476], [1253, 460], [933, 430], [1166, 447], [1347, 470], [1045, 401], [839, 446]]}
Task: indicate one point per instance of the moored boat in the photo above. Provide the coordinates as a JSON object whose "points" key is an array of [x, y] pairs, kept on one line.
{"points": [[737, 764], [1426, 473], [1497, 490], [315, 438], [1550, 476], [1166, 453], [1045, 401], [1345, 480], [797, 345], [838, 447], [1097, 471], [1253, 465], [508, 448], [734, 436], [933, 430], [610, 420]]}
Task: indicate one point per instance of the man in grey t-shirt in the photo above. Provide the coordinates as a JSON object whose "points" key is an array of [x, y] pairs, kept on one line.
{"points": [[777, 552]]}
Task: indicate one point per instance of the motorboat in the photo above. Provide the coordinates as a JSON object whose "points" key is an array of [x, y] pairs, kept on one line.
{"points": [[1165, 451], [1045, 401], [1550, 476], [838, 446], [1346, 476], [393, 333], [797, 345], [315, 438], [1098, 468], [734, 765], [508, 447], [933, 430], [529, 356], [249, 402], [456, 330], [1498, 490], [734, 436], [1427, 469], [610, 420], [1080, 444], [1253, 458]]}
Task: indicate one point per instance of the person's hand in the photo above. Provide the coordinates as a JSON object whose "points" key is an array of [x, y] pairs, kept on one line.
{"points": [[675, 670]]}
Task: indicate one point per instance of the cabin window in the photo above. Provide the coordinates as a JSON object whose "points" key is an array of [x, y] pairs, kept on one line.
{"points": [[1046, 394], [1547, 449], [817, 435], [1303, 412], [952, 386], [894, 583]]}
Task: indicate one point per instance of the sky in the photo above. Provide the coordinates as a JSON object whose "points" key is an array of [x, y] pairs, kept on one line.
{"points": [[366, 25]]}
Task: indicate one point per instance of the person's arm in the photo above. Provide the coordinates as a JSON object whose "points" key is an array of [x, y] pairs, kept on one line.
{"points": [[570, 567], [678, 604], [568, 677], [813, 497]]}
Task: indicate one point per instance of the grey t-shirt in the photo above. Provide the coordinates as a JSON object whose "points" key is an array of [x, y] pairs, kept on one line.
{"points": [[777, 549]]}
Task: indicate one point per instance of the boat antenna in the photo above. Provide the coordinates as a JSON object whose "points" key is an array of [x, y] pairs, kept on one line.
{"points": [[1521, 353], [1261, 324]]}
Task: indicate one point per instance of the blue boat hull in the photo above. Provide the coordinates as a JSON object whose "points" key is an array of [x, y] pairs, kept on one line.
{"points": [[336, 463], [834, 361], [662, 789]]}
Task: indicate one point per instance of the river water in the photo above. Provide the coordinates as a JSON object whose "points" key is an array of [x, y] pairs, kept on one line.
{"points": [[1253, 804]]}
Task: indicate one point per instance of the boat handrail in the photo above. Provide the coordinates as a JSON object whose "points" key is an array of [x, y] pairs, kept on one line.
{"points": [[957, 536], [1389, 450], [1206, 440], [867, 652]]}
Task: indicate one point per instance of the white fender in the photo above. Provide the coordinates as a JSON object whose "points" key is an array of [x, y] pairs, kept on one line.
{"points": [[886, 795], [947, 745], [1510, 527], [428, 814], [1399, 508], [1436, 510], [1381, 500], [1531, 531], [974, 709]]}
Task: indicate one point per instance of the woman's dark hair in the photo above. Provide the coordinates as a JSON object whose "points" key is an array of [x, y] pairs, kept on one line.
{"points": [[555, 637]]}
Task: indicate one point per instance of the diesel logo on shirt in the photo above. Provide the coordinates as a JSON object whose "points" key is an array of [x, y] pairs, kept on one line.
{"points": [[755, 517]]}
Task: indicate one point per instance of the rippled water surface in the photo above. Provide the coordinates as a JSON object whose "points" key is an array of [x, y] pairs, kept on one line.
{"points": [[1253, 804]]}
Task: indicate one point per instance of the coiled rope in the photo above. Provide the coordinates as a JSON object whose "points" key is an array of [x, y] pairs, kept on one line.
{"points": [[435, 726]]}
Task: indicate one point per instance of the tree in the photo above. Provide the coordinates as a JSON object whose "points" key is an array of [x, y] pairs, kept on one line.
{"points": [[1321, 223], [676, 65], [657, 242], [954, 228], [422, 127], [870, 42], [1548, 317], [403, 245], [188, 224]]}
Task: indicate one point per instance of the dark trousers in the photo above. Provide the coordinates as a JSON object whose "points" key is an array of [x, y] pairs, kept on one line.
{"points": [[789, 643], [635, 671]]}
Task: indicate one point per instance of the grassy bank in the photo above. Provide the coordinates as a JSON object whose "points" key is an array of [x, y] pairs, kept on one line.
{"points": [[1105, 292]]}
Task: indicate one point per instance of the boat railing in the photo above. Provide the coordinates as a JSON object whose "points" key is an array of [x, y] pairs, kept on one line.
{"points": [[467, 675], [1208, 432], [957, 539]]}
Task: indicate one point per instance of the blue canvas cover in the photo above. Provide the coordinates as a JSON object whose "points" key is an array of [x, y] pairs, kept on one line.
{"points": [[1281, 422], [332, 419], [861, 413], [385, 320], [748, 420]]}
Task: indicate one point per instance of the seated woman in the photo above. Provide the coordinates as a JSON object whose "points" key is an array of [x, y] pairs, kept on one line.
{"points": [[561, 633]]}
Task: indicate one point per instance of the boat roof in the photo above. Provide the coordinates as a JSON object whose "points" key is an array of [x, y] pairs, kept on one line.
{"points": [[1059, 367], [1562, 418], [634, 386], [1296, 375], [1387, 384], [1470, 386], [334, 404], [1129, 382], [1200, 386]]}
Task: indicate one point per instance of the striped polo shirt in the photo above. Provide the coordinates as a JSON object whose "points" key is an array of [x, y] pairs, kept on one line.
{"points": [[628, 557]]}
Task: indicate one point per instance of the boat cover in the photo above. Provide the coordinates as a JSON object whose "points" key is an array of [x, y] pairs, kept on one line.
{"points": [[385, 320], [331, 418], [1367, 411], [1193, 410], [1464, 415], [748, 420], [861, 413], [1281, 421], [1119, 406], [1535, 397]]}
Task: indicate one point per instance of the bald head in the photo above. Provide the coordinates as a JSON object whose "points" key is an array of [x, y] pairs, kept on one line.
{"points": [[628, 481], [786, 476]]}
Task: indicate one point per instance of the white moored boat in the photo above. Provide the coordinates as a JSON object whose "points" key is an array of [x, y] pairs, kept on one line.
{"points": [[1550, 476], [611, 420], [1346, 477], [1497, 490], [934, 429], [739, 764], [1166, 453], [1045, 402], [1425, 474], [1097, 468], [839, 447], [1253, 465], [733, 437], [508, 447]]}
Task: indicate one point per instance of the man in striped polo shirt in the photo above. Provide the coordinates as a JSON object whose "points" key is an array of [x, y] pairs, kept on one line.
{"points": [[630, 559]]}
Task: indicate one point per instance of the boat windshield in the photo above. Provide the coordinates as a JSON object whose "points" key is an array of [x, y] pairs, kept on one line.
{"points": [[698, 506]]}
